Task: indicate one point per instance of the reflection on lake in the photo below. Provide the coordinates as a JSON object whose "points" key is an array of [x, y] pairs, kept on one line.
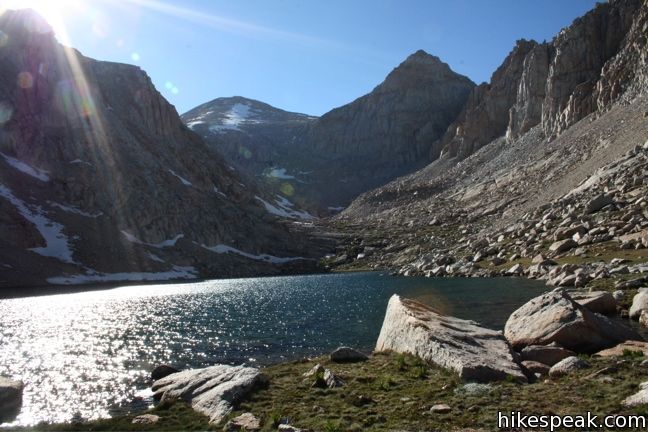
{"points": [[89, 353]]}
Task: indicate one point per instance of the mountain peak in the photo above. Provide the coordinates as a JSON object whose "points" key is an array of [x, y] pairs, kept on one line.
{"points": [[422, 56], [420, 69]]}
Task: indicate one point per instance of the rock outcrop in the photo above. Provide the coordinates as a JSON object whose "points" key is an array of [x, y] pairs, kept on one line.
{"points": [[555, 317], [212, 391], [585, 68], [474, 352]]}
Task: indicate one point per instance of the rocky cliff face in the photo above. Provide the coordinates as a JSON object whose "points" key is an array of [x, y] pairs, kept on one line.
{"points": [[553, 114], [101, 181], [582, 70], [351, 149]]}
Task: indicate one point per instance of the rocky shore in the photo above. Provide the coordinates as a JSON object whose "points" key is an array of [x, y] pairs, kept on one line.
{"points": [[557, 354]]}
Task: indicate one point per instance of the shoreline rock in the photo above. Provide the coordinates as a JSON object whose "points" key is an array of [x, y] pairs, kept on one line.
{"points": [[556, 317], [474, 352], [212, 391]]}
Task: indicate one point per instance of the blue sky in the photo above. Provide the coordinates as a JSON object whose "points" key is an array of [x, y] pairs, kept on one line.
{"points": [[304, 56]]}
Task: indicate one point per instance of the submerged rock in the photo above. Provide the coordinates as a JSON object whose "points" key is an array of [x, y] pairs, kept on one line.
{"points": [[11, 392], [211, 391], [556, 317], [474, 352]]}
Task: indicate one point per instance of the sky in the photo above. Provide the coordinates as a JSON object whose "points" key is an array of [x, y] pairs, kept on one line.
{"points": [[305, 56]]}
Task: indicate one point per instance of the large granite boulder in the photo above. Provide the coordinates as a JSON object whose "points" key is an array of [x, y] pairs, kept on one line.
{"points": [[212, 391], [639, 303], [474, 352], [556, 317], [10, 398], [597, 301]]}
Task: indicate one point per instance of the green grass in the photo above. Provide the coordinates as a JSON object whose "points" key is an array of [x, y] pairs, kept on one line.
{"points": [[393, 391]]}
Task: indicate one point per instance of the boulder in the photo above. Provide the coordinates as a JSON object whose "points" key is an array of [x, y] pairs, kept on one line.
{"points": [[289, 428], [162, 371], [639, 303], [244, 422], [565, 366], [643, 318], [11, 392], [598, 202], [556, 317], [562, 246], [536, 367], [517, 269], [618, 350], [546, 354], [347, 355], [474, 352], [639, 398], [146, 419], [597, 301], [211, 391], [440, 409], [331, 379]]}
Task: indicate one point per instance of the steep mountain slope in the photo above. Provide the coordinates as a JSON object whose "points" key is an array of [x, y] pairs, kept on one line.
{"points": [[552, 115], [101, 181], [327, 161], [258, 140]]}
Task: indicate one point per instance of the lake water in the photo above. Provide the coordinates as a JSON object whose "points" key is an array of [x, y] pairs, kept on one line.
{"points": [[91, 353]]}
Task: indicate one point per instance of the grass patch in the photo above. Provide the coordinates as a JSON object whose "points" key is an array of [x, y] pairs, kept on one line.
{"points": [[391, 392]]}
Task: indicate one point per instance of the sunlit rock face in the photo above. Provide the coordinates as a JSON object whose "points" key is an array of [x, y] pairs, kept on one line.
{"points": [[598, 59], [99, 177], [327, 161]]}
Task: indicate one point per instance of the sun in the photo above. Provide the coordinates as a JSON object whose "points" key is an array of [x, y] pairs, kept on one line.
{"points": [[58, 13]]}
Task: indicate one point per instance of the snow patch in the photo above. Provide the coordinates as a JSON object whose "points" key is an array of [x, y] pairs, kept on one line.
{"points": [[284, 208], [56, 243], [182, 179], [237, 115], [75, 210], [79, 161], [193, 124], [155, 257], [166, 243], [221, 249], [21, 166], [176, 272]]}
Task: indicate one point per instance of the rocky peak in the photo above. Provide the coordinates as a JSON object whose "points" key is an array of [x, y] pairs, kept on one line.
{"points": [[587, 66], [419, 69]]}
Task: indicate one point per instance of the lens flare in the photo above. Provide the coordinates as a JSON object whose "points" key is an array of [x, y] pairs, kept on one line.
{"points": [[287, 189], [4, 39], [25, 80]]}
